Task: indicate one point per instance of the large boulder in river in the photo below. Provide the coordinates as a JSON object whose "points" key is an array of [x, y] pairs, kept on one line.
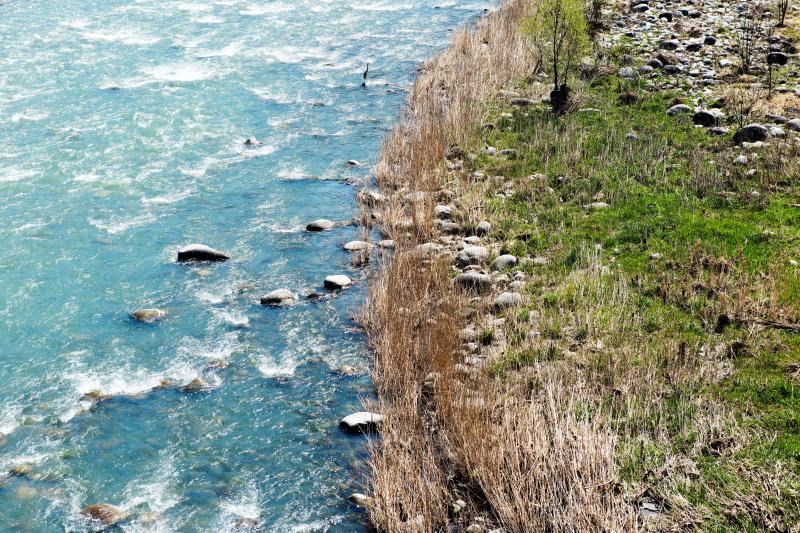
{"points": [[321, 224], [278, 297], [361, 422], [750, 134], [358, 246], [337, 282], [200, 252], [148, 316], [102, 512]]}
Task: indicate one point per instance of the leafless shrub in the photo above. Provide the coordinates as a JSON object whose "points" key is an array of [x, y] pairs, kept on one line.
{"points": [[743, 100], [748, 34], [781, 10]]}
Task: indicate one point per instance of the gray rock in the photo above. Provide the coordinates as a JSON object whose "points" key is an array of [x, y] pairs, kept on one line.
{"points": [[428, 250], [777, 119], [671, 44], [472, 255], [522, 102], [337, 282], [200, 252], [750, 134], [443, 212], [707, 118], [679, 109], [449, 228], [719, 131], [507, 300], [320, 225], [361, 422], [777, 58], [627, 73], [503, 262], [794, 124], [483, 228], [474, 282], [741, 160], [775, 131], [386, 244], [358, 246], [278, 297], [597, 205]]}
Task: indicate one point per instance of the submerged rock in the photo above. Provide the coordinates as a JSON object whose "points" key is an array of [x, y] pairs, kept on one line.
{"points": [[22, 470], [200, 252], [103, 513], [321, 224], [196, 385], [337, 282], [278, 297], [148, 316], [361, 422], [245, 522], [96, 396]]}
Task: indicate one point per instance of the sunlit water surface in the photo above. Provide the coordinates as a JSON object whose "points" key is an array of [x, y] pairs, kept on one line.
{"points": [[121, 138]]}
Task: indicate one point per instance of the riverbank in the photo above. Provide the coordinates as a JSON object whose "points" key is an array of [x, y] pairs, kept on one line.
{"points": [[590, 322]]}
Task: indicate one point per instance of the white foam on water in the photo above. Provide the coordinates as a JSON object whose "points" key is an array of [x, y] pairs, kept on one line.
{"points": [[123, 381], [10, 418], [200, 170], [77, 24], [243, 505], [215, 349], [270, 370], [259, 151], [33, 117], [156, 493], [86, 178], [291, 54], [210, 19], [190, 6], [24, 229], [169, 198], [294, 173], [267, 9], [380, 6], [180, 72], [10, 174], [125, 36], [233, 318], [114, 227], [227, 51]]}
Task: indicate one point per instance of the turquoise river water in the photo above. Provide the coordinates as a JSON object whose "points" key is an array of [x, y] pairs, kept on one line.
{"points": [[121, 139]]}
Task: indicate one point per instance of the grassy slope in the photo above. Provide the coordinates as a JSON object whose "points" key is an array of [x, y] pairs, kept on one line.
{"points": [[693, 256]]}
